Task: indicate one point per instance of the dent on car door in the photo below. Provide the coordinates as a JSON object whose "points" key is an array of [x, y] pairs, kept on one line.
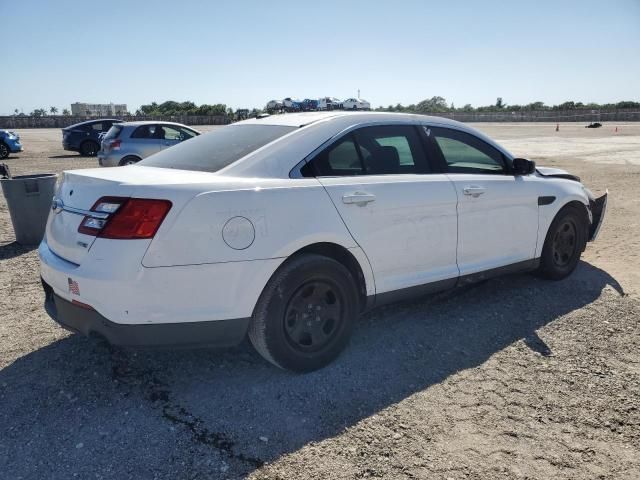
{"points": [[497, 211], [402, 216]]}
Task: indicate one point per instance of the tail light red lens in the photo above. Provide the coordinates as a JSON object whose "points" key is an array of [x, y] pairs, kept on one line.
{"points": [[125, 218], [115, 144]]}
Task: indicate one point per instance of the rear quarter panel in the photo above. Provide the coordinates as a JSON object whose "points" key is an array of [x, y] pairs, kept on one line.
{"points": [[286, 215]]}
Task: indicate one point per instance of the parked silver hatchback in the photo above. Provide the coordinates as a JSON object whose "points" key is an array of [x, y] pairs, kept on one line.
{"points": [[128, 143]]}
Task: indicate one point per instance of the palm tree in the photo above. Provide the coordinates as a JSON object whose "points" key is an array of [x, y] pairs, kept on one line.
{"points": [[53, 110], [16, 111], [66, 112]]}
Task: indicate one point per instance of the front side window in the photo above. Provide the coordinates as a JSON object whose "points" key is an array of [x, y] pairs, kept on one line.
{"points": [[464, 153], [218, 148], [171, 133], [378, 150]]}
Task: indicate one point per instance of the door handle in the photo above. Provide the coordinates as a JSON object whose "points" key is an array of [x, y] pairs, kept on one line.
{"points": [[474, 191], [359, 198]]}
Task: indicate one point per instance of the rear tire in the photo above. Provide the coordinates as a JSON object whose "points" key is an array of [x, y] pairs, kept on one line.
{"points": [[305, 315], [89, 148], [564, 243], [129, 160], [4, 151]]}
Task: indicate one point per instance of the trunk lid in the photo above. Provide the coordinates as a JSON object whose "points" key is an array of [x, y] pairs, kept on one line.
{"points": [[76, 194], [79, 190]]}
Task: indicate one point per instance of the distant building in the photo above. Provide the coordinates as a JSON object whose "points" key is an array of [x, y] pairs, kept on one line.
{"points": [[98, 109]]}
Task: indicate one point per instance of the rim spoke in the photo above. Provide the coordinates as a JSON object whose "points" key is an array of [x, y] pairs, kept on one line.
{"points": [[312, 316]]}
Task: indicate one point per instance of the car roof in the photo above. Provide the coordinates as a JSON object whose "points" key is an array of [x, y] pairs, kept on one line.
{"points": [[97, 120], [313, 130], [154, 122], [307, 118]]}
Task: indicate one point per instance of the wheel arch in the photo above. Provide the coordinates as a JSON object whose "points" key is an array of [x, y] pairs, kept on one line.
{"points": [[579, 203], [121, 161], [352, 258]]}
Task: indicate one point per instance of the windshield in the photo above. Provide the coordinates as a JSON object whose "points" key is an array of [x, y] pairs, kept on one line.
{"points": [[217, 149]]}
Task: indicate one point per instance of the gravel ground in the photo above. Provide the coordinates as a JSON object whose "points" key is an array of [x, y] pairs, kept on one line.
{"points": [[511, 378]]}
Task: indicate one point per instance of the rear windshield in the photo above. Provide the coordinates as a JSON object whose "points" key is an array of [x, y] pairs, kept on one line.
{"points": [[217, 149], [113, 132]]}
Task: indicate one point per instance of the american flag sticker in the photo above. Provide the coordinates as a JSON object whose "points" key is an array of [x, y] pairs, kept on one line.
{"points": [[73, 287]]}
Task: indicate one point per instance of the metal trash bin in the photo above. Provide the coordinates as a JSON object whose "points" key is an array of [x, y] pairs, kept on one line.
{"points": [[29, 200]]}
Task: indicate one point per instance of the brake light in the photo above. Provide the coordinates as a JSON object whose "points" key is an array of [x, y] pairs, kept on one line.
{"points": [[115, 144], [125, 218]]}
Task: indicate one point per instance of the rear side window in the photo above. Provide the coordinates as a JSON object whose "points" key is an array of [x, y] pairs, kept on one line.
{"points": [[97, 127], [114, 132], [464, 153], [341, 159], [379, 150], [147, 131], [217, 149]]}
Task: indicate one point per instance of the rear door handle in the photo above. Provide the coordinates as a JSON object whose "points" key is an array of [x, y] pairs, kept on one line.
{"points": [[474, 191], [359, 198]]}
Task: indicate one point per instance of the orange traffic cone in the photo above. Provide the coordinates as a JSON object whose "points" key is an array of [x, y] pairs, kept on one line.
{"points": [[557, 127]]}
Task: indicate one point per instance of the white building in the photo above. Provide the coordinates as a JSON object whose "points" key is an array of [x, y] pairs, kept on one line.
{"points": [[98, 109]]}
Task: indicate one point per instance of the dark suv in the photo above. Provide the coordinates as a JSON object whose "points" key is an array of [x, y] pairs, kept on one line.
{"points": [[85, 137]]}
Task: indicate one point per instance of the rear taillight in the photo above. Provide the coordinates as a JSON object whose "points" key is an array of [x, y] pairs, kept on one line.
{"points": [[115, 144], [125, 218]]}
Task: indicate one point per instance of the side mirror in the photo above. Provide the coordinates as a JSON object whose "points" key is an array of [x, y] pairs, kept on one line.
{"points": [[522, 166]]}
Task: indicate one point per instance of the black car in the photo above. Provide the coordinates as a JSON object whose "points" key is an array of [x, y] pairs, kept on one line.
{"points": [[85, 137]]}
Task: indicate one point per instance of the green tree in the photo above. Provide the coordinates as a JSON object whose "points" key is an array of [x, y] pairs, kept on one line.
{"points": [[66, 112], [432, 105], [499, 104], [53, 110]]}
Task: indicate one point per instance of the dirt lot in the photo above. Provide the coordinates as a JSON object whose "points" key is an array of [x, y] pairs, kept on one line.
{"points": [[512, 378]]}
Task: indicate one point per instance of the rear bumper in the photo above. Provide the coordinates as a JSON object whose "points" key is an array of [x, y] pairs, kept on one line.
{"points": [[86, 321], [107, 160]]}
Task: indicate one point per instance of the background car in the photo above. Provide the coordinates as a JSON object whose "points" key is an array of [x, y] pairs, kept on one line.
{"points": [[291, 104], [85, 137], [9, 143], [274, 106], [356, 104], [244, 231], [329, 103], [128, 143], [309, 105]]}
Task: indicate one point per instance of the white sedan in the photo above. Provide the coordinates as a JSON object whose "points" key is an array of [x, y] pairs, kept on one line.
{"points": [[287, 227], [356, 104]]}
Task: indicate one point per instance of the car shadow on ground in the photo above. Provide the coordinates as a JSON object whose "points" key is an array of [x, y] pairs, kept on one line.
{"points": [[14, 249], [78, 406], [76, 155]]}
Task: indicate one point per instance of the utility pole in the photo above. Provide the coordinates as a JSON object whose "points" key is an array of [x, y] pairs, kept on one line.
{"points": [[358, 94]]}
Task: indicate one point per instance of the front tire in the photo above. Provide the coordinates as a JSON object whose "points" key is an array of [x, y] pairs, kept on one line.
{"points": [[305, 315], [89, 148], [564, 243]]}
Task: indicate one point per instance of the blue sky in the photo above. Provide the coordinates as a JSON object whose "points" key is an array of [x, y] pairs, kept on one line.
{"points": [[244, 53]]}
